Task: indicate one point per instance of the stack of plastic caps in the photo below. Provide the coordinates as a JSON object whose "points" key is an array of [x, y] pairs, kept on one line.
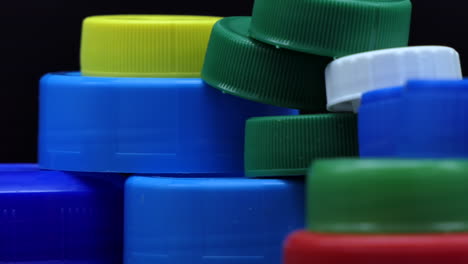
{"points": [[379, 77], [139, 107], [413, 108], [278, 56], [190, 105], [384, 211]]}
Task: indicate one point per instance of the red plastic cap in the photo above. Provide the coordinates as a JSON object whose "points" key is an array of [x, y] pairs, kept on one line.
{"points": [[309, 248]]}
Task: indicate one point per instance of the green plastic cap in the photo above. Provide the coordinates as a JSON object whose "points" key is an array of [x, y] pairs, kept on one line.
{"points": [[241, 66], [285, 145], [332, 27], [388, 196]]}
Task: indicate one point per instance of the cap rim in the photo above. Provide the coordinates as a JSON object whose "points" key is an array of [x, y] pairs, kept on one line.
{"points": [[244, 67], [144, 45], [129, 125], [189, 75], [325, 35], [388, 196], [285, 145]]}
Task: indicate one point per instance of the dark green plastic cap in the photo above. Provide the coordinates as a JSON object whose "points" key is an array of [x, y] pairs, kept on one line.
{"points": [[286, 145], [241, 66], [388, 196], [332, 27]]}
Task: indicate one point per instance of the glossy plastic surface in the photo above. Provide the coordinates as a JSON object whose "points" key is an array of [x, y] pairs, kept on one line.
{"points": [[145, 45], [332, 28], [378, 122], [314, 248], [244, 67], [388, 196], [423, 119], [210, 221], [434, 120], [282, 146], [50, 217], [349, 77], [142, 125]]}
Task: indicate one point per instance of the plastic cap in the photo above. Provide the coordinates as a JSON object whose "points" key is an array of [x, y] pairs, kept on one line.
{"points": [[142, 125], [378, 125], [388, 196], [307, 247], [239, 65], [58, 217], [199, 221], [332, 28], [349, 77], [426, 119], [145, 45], [434, 120], [285, 145]]}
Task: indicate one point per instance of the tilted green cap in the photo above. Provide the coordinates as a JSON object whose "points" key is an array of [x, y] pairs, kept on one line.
{"points": [[286, 145], [388, 196], [332, 27], [239, 65]]}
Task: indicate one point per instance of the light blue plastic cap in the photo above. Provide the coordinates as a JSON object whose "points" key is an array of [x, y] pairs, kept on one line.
{"points": [[142, 125], [210, 221]]}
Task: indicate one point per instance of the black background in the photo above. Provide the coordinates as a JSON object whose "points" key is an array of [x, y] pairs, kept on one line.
{"points": [[37, 37]]}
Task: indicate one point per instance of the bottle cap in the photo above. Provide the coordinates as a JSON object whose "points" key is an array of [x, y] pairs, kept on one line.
{"points": [[434, 120], [388, 196], [349, 77], [142, 125], [306, 247], [239, 65], [145, 45], [332, 28], [379, 115], [285, 145], [58, 217], [200, 220]]}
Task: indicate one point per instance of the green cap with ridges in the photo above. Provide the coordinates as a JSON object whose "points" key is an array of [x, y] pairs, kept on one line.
{"points": [[285, 145], [241, 66], [332, 28], [388, 196]]}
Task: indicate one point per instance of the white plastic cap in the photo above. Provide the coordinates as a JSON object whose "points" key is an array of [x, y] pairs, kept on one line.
{"points": [[349, 77]]}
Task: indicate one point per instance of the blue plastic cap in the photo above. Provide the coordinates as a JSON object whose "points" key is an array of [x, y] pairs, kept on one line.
{"points": [[202, 221], [142, 125], [57, 217], [377, 120], [425, 119], [434, 120]]}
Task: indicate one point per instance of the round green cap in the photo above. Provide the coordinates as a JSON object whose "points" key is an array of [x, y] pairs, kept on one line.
{"points": [[388, 196], [285, 145], [332, 27], [241, 66]]}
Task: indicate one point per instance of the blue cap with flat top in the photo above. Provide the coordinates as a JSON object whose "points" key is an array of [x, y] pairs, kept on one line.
{"points": [[142, 125], [210, 220]]}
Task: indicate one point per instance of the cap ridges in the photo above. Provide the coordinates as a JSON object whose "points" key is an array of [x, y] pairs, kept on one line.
{"points": [[239, 65], [145, 45], [332, 28], [388, 196], [285, 145]]}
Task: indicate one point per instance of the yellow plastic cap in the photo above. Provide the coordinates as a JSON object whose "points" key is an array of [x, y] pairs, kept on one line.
{"points": [[160, 46]]}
